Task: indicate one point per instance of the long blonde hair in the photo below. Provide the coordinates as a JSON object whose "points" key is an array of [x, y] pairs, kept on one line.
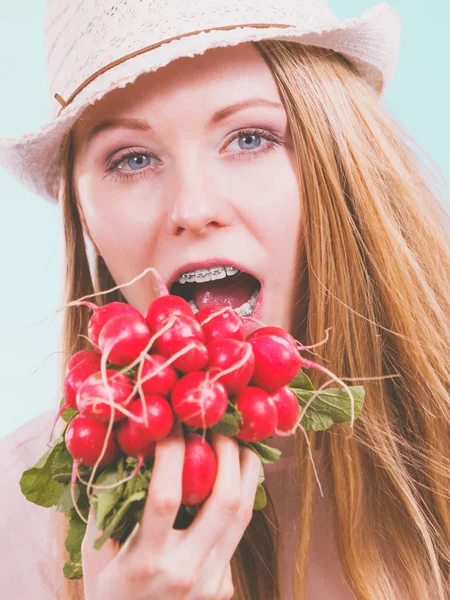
{"points": [[375, 267]]}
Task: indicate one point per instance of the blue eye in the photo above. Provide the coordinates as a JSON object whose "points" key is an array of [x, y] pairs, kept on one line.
{"points": [[248, 143], [135, 160]]}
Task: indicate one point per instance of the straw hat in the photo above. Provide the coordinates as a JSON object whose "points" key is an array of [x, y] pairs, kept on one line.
{"points": [[95, 46]]}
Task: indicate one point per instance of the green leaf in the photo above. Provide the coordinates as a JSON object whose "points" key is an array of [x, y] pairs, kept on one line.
{"points": [[73, 570], [62, 463], [228, 425], [261, 475], [138, 483], [106, 500], [65, 502], [77, 530], [130, 460], [266, 453], [75, 535], [301, 382], [37, 484], [68, 414], [260, 498], [114, 522], [330, 406]]}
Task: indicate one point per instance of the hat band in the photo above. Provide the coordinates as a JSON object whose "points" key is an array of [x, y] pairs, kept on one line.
{"points": [[112, 64]]}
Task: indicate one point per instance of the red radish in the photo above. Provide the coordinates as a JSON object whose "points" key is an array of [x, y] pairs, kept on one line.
{"points": [[220, 322], [81, 366], [277, 361], [160, 419], [93, 397], [83, 356], [77, 376], [85, 438], [185, 329], [102, 314], [123, 339], [198, 402], [164, 307], [194, 359], [277, 331], [199, 470], [259, 415], [223, 355], [132, 444], [287, 408], [162, 382]]}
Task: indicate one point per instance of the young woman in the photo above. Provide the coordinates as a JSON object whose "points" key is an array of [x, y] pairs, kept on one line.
{"points": [[273, 156]]}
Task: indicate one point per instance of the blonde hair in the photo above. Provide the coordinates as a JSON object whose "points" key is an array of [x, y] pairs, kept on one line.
{"points": [[375, 267]]}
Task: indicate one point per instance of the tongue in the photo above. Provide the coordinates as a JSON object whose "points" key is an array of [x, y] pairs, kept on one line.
{"points": [[231, 291]]}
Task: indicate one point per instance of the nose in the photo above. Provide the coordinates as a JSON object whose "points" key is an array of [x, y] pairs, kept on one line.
{"points": [[199, 201]]}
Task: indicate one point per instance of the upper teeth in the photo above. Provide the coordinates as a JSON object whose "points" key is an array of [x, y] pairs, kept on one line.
{"points": [[203, 275]]}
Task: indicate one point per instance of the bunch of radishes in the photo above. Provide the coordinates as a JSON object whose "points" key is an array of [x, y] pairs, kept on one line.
{"points": [[145, 370]]}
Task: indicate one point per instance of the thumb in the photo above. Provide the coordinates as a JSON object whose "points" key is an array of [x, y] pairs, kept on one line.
{"points": [[93, 560]]}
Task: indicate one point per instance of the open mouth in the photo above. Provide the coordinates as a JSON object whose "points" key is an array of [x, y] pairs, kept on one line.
{"points": [[219, 285]]}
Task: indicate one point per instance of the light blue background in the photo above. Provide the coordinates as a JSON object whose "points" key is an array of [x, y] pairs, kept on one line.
{"points": [[30, 231]]}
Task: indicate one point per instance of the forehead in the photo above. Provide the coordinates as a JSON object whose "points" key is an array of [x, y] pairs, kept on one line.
{"points": [[203, 83]]}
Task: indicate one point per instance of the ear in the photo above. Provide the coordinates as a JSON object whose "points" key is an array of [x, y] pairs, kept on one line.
{"points": [[86, 229]]}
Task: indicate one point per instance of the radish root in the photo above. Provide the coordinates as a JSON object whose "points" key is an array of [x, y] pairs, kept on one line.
{"points": [[97, 486], [235, 367], [215, 314]]}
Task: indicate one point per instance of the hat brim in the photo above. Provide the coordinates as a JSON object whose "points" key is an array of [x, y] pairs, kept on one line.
{"points": [[371, 43]]}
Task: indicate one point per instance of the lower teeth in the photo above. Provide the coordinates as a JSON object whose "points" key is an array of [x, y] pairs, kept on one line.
{"points": [[245, 310], [193, 306]]}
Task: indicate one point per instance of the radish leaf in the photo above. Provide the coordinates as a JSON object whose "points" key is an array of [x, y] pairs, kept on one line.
{"points": [[77, 529], [68, 414], [266, 453], [260, 498], [228, 425], [107, 499], [73, 570], [37, 484], [301, 382], [330, 406], [114, 522], [65, 503]]}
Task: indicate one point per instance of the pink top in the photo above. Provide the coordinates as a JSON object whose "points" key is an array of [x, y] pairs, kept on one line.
{"points": [[26, 562]]}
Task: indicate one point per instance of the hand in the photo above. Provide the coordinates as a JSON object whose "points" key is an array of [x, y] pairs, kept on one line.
{"points": [[157, 561]]}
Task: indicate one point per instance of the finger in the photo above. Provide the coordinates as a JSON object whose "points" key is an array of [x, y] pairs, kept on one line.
{"points": [[225, 500], [213, 583], [227, 588], [165, 491], [250, 467], [93, 561], [216, 570]]}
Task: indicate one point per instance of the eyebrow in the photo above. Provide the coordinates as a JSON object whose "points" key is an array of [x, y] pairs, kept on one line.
{"points": [[220, 115]]}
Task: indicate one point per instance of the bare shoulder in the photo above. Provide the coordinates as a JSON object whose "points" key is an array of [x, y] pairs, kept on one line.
{"points": [[26, 438]]}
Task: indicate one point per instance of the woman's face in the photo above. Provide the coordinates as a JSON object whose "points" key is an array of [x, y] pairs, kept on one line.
{"points": [[201, 188]]}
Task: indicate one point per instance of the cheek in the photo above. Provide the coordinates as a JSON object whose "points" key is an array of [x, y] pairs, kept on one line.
{"points": [[111, 213], [271, 204], [121, 231]]}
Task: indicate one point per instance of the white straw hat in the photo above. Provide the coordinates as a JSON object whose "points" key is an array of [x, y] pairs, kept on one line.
{"points": [[95, 46]]}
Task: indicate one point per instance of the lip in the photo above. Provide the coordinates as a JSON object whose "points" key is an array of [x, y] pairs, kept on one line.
{"points": [[207, 264]]}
